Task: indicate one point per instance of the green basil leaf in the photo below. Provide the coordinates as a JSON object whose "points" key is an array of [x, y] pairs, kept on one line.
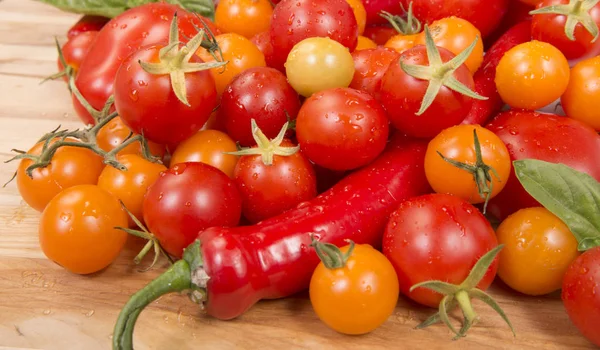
{"points": [[112, 8], [571, 195]]}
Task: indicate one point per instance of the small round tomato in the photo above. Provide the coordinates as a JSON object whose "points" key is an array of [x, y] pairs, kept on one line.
{"points": [[401, 42], [296, 20], [437, 237], [531, 2], [477, 180], [208, 147], [455, 35], [580, 294], [130, 185], [539, 248], [115, 132], [78, 229], [185, 200], [359, 13], [240, 53], [75, 50], [170, 121], [583, 91], [369, 67], [358, 293], [262, 94], [552, 27], [532, 75], [87, 23], [380, 34], [364, 43], [342, 129], [317, 64], [263, 43], [244, 17], [269, 189], [70, 166]]}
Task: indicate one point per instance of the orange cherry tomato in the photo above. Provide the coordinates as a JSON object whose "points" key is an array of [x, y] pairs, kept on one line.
{"points": [[360, 14], [458, 143], [532, 75], [241, 54], [583, 91], [130, 186], [70, 166], [538, 249], [456, 34], [358, 297], [115, 132], [244, 17], [364, 43], [401, 42], [208, 146], [77, 229]]}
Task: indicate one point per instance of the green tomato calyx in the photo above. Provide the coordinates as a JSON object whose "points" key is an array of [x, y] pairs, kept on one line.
{"points": [[461, 295], [577, 12], [331, 256], [406, 24], [439, 73]]}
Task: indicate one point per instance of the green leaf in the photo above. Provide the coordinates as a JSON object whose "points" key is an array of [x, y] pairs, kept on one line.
{"points": [[112, 8], [571, 195]]}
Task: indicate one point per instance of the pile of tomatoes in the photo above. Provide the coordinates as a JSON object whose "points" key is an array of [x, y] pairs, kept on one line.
{"points": [[195, 125]]}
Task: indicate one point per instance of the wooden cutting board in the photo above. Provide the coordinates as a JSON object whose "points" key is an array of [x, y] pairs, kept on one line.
{"points": [[43, 306]]}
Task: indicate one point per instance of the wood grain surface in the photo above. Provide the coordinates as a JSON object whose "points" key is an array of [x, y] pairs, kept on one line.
{"points": [[44, 307]]}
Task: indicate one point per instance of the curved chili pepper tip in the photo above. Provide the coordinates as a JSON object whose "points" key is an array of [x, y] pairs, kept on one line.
{"points": [[176, 279]]}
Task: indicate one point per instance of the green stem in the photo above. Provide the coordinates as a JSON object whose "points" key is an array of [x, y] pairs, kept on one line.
{"points": [[176, 279], [464, 301]]}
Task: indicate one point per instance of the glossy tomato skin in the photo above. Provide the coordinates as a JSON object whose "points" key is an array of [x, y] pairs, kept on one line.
{"points": [[356, 298], [78, 229], [342, 129], [269, 190], [296, 20], [580, 294], [170, 121], [550, 28], [538, 249], [374, 8], [263, 43], [187, 199], [87, 23], [244, 17], [130, 186], [208, 147], [70, 166], [579, 100], [115, 132], [75, 50], [483, 14], [364, 43], [380, 34], [369, 67], [262, 94], [401, 95], [437, 237], [545, 137], [123, 35]]}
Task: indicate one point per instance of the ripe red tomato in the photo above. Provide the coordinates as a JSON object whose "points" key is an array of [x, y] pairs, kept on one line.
{"points": [[75, 50], [545, 137], [170, 121], [437, 237], [262, 94], [374, 8], [85, 24], [296, 20], [70, 166], [580, 294], [78, 229], [402, 96], [369, 67], [342, 128], [380, 34], [269, 190], [483, 14], [263, 43], [187, 199], [551, 29]]}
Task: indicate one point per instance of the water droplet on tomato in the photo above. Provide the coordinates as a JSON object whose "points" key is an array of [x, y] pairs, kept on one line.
{"points": [[133, 95]]}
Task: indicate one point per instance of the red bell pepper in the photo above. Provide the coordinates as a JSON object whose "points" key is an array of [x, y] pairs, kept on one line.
{"points": [[228, 270], [485, 85]]}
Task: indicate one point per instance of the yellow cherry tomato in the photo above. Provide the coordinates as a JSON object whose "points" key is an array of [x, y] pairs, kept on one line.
{"points": [[359, 13]]}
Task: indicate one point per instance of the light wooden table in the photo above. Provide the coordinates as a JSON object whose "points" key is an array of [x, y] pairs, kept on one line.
{"points": [[44, 307]]}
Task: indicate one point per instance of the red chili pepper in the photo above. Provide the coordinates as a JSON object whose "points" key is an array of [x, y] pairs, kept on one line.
{"points": [[230, 269], [485, 85], [87, 23]]}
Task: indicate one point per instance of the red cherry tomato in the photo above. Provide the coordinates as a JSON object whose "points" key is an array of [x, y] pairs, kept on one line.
{"points": [[369, 67], [437, 237], [75, 50], [187, 199], [87, 23], [342, 128], [263, 42], [380, 34]]}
